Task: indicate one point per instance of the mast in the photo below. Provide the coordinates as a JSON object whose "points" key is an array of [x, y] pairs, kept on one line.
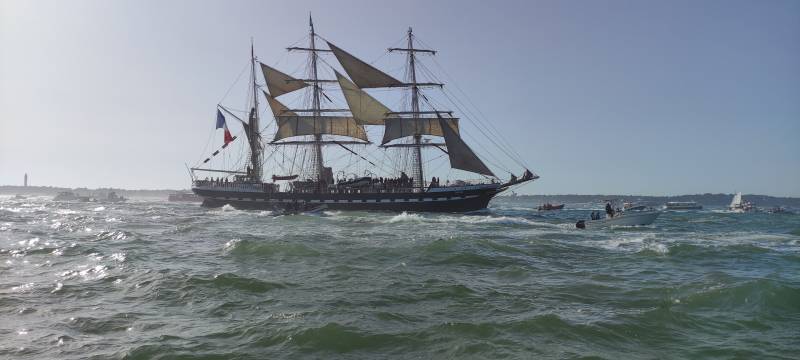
{"points": [[255, 136], [316, 160], [416, 156]]}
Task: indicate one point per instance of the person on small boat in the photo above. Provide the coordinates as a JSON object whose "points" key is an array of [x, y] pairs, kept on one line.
{"points": [[609, 210]]}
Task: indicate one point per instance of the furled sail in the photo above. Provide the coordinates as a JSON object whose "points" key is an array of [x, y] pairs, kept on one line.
{"points": [[279, 83], [255, 143], [461, 156], [363, 74], [294, 125], [366, 110], [397, 127]]}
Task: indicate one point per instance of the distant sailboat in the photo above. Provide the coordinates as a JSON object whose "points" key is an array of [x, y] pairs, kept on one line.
{"points": [[738, 205]]}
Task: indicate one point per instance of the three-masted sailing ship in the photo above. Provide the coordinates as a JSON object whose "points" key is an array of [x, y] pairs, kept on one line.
{"points": [[312, 129]]}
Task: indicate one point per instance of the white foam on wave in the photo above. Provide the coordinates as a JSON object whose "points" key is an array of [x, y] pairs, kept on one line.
{"points": [[633, 244], [99, 208], [86, 272], [776, 242], [499, 220], [467, 219], [514, 208], [23, 288], [231, 244], [656, 247], [66, 212], [405, 217], [118, 257], [29, 243]]}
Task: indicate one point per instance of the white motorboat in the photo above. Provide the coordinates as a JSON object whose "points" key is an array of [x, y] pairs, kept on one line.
{"points": [[625, 218], [683, 205]]}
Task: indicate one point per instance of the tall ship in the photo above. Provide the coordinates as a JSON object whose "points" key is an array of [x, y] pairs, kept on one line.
{"points": [[321, 152]]}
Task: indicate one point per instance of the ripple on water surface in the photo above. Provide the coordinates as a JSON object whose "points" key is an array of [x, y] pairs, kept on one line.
{"points": [[149, 279]]}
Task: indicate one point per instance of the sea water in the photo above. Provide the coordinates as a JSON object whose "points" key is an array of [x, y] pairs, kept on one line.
{"points": [[149, 279]]}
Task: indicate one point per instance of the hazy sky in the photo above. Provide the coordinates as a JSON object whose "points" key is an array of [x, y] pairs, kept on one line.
{"points": [[642, 97]]}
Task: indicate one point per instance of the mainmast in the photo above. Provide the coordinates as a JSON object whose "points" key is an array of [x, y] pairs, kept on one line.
{"points": [[254, 133], [316, 160], [414, 123], [416, 156]]}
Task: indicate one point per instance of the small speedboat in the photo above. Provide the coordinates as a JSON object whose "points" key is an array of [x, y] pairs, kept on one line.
{"points": [[778, 210], [114, 198], [66, 196], [184, 197], [549, 206], [624, 218], [682, 205]]}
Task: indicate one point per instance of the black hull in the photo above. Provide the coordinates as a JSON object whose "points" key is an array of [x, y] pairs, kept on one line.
{"points": [[441, 201]]}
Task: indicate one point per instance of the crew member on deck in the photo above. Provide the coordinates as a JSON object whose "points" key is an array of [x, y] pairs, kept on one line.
{"points": [[527, 175], [609, 210]]}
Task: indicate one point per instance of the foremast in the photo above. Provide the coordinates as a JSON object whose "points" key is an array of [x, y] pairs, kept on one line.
{"points": [[254, 134]]}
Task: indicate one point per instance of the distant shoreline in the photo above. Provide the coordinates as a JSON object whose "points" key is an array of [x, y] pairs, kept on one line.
{"points": [[53, 190], [705, 199]]}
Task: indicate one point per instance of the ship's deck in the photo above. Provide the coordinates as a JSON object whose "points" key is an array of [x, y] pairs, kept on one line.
{"points": [[376, 188]]}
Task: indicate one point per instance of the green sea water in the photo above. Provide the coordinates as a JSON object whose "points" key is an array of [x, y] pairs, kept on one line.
{"points": [[158, 280]]}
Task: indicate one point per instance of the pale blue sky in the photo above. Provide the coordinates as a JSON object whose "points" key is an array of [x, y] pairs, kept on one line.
{"points": [[642, 97]]}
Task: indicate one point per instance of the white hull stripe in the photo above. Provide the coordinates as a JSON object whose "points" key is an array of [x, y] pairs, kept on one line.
{"points": [[339, 201]]}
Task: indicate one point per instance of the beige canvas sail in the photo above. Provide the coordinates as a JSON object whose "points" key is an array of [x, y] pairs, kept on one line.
{"points": [[294, 125], [279, 83], [461, 156], [364, 75], [397, 128], [366, 110], [278, 109]]}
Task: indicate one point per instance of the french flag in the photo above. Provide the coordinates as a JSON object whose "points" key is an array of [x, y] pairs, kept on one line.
{"points": [[221, 124]]}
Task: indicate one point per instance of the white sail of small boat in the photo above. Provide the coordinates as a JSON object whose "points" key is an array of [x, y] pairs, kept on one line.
{"points": [[738, 205], [736, 201]]}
